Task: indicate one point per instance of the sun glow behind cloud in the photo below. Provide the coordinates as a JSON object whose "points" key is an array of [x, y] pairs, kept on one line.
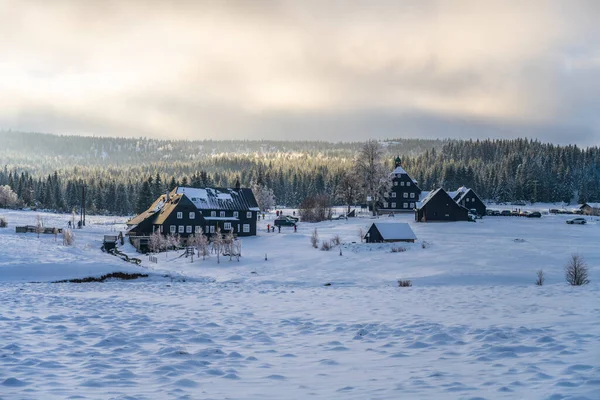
{"points": [[276, 68]]}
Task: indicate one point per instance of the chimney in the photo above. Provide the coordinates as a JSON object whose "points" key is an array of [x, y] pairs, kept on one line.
{"points": [[167, 197], [237, 184]]}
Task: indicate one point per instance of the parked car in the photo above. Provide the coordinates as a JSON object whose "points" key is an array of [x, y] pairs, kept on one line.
{"points": [[534, 214], [578, 221], [505, 213], [284, 221], [292, 218]]}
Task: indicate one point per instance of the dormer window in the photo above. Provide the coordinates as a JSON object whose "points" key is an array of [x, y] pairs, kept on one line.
{"points": [[222, 214]]}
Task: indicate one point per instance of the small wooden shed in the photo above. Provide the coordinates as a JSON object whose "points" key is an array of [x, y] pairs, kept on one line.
{"points": [[390, 232]]}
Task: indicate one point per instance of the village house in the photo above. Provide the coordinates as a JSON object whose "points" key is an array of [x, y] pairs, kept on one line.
{"points": [[438, 205], [187, 211], [470, 200], [404, 192], [390, 232]]}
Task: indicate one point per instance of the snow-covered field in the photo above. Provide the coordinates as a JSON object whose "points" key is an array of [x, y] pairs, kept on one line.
{"points": [[473, 325]]}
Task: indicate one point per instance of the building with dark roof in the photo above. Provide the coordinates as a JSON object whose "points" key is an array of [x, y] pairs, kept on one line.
{"points": [[438, 205], [403, 194], [187, 211], [467, 198]]}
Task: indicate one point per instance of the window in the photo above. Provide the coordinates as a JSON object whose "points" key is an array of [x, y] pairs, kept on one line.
{"points": [[246, 228], [395, 183], [405, 195], [222, 214], [473, 199], [412, 205], [401, 183], [198, 229], [249, 214], [468, 199], [385, 204], [188, 229], [212, 229], [236, 214], [394, 194], [393, 205], [407, 183], [207, 229], [179, 215], [227, 226], [213, 213], [412, 195], [192, 215], [405, 205], [181, 228], [161, 229], [172, 228]]}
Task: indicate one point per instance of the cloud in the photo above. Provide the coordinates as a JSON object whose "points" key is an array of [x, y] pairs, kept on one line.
{"points": [[355, 69]]}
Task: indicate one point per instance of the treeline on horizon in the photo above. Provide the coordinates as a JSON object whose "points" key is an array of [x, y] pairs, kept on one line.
{"points": [[498, 170]]}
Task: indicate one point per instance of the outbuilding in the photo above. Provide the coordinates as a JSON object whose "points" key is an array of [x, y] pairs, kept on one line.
{"points": [[390, 232], [439, 206]]}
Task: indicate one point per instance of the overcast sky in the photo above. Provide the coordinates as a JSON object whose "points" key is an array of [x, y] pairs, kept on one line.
{"points": [[330, 70]]}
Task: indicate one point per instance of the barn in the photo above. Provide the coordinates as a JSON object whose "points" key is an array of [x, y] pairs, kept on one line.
{"points": [[390, 232], [439, 206]]}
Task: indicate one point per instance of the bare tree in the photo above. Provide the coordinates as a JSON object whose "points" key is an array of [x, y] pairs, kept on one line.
{"points": [[217, 243], [68, 237], [8, 198], [39, 225], [540, 278], [315, 208], [228, 240], [314, 239], [348, 189], [361, 234], [156, 241], [200, 243], [264, 196], [374, 177], [576, 271]]}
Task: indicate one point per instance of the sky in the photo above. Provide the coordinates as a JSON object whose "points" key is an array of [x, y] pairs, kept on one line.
{"points": [[302, 70]]}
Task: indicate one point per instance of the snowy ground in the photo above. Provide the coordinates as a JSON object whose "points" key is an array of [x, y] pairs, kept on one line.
{"points": [[473, 325]]}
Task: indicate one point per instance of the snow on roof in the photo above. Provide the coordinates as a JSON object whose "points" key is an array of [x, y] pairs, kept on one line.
{"points": [[460, 191], [395, 230], [399, 171], [220, 198], [593, 205]]}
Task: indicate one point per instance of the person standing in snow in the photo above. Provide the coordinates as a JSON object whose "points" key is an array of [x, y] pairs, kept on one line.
{"points": [[268, 228]]}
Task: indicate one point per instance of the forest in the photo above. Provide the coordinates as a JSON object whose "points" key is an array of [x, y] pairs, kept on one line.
{"points": [[123, 176]]}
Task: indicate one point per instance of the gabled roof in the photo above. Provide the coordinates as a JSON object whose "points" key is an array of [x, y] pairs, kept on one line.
{"points": [[432, 194], [459, 193], [168, 208], [220, 198], [395, 230], [401, 171], [152, 210]]}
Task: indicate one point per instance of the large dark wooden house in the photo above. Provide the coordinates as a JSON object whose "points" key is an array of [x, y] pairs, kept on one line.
{"points": [[403, 194], [186, 211], [469, 199], [439, 206]]}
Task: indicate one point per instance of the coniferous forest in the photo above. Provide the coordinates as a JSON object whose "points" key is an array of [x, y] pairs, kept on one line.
{"points": [[123, 176]]}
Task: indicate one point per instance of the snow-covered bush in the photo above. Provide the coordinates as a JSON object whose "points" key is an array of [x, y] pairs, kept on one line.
{"points": [[3, 222], [576, 271], [68, 237], [540, 278], [314, 239], [398, 249], [404, 283], [326, 246], [361, 234], [156, 242]]}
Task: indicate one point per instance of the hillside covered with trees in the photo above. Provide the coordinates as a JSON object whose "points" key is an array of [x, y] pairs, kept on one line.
{"points": [[123, 176]]}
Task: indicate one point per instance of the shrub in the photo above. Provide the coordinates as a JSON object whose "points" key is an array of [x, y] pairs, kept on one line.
{"points": [[540, 278], [425, 245], [397, 249], [315, 209], [336, 240], [404, 283], [3, 222], [314, 239], [576, 271], [325, 246], [68, 237]]}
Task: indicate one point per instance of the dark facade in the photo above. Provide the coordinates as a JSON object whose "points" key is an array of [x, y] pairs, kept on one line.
{"points": [[190, 211], [439, 206], [404, 193], [471, 201]]}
